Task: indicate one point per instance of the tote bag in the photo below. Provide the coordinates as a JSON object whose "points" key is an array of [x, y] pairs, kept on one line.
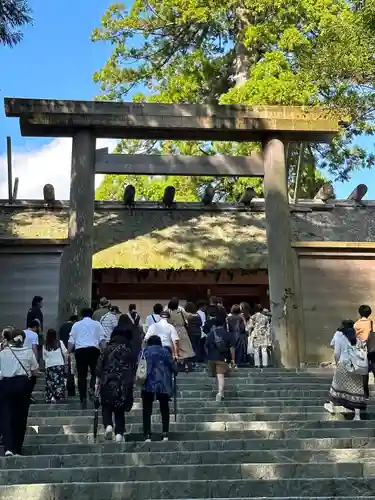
{"points": [[141, 374]]}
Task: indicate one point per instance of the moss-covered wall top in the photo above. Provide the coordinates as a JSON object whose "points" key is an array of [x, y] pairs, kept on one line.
{"points": [[157, 239]]}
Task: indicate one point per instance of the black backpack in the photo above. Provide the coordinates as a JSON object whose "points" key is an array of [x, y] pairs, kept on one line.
{"points": [[219, 333]]}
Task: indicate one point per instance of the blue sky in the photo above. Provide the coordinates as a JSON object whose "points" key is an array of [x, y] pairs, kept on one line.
{"points": [[56, 59]]}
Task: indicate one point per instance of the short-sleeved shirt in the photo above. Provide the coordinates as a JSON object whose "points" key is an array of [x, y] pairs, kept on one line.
{"points": [[86, 333], [18, 362], [167, 333], [31, 338]]}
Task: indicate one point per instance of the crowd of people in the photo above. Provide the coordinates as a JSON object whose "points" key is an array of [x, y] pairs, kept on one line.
{"points": [[354, 358], [121, 351]]}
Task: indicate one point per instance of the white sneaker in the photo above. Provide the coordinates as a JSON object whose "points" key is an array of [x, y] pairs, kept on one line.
{"points": [[329, 407], [9, 453], [109, 432], [219, 397], [119, 438], [357, 415], [53, 401]]}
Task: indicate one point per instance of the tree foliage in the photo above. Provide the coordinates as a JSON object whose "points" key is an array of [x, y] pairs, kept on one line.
{"points": [[13, 15], [300, 52]]}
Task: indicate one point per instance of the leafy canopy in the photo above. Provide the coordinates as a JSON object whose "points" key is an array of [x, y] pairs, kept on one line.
{"points": [[300, 52], [13, 15]]}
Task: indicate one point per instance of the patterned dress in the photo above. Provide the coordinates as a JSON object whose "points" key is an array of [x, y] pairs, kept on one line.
{"points": [[260, 331], [347, 388]]}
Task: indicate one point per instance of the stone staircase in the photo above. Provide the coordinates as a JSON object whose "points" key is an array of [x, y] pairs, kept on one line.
{"points": [[270, 438]]}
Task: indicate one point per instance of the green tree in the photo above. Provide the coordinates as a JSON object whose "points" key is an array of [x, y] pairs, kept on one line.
{"points": [[13, 15], [300, 52]]}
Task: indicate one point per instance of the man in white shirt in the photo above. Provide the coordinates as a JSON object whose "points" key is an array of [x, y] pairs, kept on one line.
{"points": [[85, 338], [32, 342], [167, 333], [31, 336], [155, 317]]}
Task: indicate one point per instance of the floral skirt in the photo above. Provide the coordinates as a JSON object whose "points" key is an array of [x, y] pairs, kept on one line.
{"points": [[347, 389], [55, 383]]}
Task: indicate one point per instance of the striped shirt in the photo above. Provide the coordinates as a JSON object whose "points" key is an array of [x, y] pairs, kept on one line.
{"points": [[109, 322]]}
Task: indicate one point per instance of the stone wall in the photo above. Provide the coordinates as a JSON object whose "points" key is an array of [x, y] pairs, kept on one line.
{"points": [[159, 239]]}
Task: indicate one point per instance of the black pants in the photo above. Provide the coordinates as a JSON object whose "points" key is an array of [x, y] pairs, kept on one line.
{"points": [[196, 345], [32, 384], [119, 413], [15, 401], [86, 358], [371, 369], [147, 401]]}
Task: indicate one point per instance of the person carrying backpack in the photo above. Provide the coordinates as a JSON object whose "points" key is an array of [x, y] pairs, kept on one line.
{"points": [[220, 347], [347, 387]]}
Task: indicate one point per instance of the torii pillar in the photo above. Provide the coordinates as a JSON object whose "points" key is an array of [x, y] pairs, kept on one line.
{"points": [[282, 272], [76, 264]]}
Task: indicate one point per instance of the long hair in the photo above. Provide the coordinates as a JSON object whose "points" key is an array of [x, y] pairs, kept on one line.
{"points": [[51, 340]]}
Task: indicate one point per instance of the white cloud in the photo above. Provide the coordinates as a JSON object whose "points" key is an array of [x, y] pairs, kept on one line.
{"points": [[47, 164]]}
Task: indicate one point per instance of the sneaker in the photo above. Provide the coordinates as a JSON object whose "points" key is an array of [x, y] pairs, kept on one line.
{"points": [[53, 401], [9, 453], [84, 404], [109, 432], [219, 397], [329, 407], [148, 439], [165, 436], [32, 400], [119, 438]]}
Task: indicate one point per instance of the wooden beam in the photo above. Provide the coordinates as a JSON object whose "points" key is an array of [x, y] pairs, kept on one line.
{"points": [[172, 121], [225, 166]]}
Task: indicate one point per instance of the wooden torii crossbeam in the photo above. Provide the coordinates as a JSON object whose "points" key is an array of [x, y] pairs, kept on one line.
{"points": [[205, 165], [273, 126]]}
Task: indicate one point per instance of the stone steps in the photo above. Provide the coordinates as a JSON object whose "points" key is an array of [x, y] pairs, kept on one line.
{"points": [[179, 434], [142, 458], [349, 487], [51, 427], [188, 472], [250, 429], [212, 444], [269, 438], [250, 415]]}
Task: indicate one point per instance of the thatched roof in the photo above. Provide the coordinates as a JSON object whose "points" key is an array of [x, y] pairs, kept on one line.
{"points": [[187, 239]]}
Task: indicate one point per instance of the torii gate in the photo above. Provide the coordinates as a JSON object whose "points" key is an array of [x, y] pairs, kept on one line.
{"points": [[272, 126]]}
